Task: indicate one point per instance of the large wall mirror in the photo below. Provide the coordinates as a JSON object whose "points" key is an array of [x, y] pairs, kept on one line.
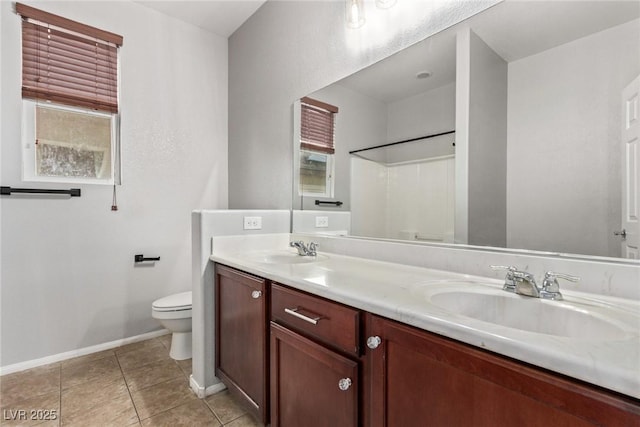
{"points": [[510, 129]]}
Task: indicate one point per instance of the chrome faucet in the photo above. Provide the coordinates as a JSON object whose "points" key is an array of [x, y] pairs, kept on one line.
{"points": [[523, 283], [303, 249], [551, 288]]}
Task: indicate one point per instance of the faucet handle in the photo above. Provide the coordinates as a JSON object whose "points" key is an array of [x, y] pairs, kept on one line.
{"points": [[313, 246], [509, 280], [300, 246], [509, 268], [550, 286], [551, 275]]}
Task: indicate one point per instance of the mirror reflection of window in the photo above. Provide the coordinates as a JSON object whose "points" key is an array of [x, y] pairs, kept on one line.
{"points": [[317, 148]]}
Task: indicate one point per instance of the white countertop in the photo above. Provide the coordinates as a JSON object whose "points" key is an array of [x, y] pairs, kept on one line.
{"points": [[402, 292]]}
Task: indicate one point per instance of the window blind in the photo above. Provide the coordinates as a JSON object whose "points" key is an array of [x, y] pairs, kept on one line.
{"points": [[68, 62], [317, 128]]}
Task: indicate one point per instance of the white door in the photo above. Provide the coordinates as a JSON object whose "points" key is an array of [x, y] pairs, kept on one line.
{"points": [[630, 233]]}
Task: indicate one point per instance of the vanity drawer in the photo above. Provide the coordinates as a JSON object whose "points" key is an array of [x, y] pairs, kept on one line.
{"points": [[328, 322]]}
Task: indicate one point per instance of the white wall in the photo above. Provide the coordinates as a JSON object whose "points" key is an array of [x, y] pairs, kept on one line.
{"points": [[481, 138], [487, 146], [287, 50], [426, 113], [207, 224], [68, 277], [565, 112]]}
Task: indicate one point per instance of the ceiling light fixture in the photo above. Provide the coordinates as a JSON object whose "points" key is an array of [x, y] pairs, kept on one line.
{"points": [[355, 13]]}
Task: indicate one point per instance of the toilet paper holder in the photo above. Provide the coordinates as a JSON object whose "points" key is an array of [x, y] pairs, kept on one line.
{"points": [[141, 258]]}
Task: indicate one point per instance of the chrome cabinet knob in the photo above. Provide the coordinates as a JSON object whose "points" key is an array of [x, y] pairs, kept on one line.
{"points": [[373, 342], [344, 384], [256, 294]]}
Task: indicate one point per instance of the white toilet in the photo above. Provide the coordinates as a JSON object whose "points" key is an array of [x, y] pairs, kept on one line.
{"points": [[174, 313]]}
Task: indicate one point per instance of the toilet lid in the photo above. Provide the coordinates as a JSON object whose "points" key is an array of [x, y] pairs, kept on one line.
{"points": [[181, 301]]}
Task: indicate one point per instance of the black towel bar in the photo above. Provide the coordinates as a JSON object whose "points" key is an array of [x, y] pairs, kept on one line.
{"points": [[325, 202], [7, 191]]}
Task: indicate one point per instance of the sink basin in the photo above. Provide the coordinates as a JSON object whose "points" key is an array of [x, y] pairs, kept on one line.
{"points": [[283, 257], [489, 304]]}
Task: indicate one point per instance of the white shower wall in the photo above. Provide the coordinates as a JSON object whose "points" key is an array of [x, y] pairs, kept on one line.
{"points": [[404, 201]]}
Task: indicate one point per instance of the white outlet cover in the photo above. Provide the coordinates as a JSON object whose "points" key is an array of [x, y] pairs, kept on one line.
{"points": [[322, 221], [252, 223]]}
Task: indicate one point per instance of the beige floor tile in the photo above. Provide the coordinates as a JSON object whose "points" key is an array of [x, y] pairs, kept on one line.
{"points": [[30, 383], [117, 413], [36, 410], [80, 373], [142, 356], [165, 340], [224, 407], [152, 343], [99, 403], [87, 358], [83, 397], [158, 398], [153, 373], [244, 421], [194, 414], [186, 366]]}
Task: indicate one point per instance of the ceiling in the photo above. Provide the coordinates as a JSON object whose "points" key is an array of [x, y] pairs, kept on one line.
{"points": [[514, 29], [221, 17]]}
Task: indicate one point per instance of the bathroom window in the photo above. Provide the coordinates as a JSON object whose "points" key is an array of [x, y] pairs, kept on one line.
{"points": [[65, 144], [317, 148], [70, 109]]}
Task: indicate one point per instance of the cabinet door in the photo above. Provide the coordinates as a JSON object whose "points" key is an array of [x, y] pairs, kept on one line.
{"points": [[241, 337], [416, 378], [311, 386]]}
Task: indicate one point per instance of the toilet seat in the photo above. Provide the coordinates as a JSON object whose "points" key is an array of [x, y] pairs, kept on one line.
{"points": [[175, 302]]}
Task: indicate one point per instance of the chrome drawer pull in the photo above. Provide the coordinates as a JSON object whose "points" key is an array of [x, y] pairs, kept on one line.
{"points": [[294, 312], [256, 294]]}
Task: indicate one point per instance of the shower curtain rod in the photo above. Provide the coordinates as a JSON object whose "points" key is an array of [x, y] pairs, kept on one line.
{"points": [[402, 142]]}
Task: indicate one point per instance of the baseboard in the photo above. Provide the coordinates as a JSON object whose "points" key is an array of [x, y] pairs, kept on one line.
{"points": [[17, 367], [202, 392]]}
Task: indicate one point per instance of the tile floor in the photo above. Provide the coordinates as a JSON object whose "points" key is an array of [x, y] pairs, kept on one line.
{"points": [[133, 385]]}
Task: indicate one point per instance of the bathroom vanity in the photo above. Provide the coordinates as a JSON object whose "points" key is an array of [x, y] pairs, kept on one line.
{"points": [[339, 340]]}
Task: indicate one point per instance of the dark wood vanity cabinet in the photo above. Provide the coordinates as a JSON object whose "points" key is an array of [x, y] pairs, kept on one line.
{"points": [[309, 366], [241, 338], [314, 361], [417, 378], [311, 385]]}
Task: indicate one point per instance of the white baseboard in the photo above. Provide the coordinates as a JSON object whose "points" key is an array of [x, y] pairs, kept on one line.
{"points": [[201, 392], [17, 367]]}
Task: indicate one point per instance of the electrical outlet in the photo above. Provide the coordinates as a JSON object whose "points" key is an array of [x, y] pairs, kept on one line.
{"points": [[322, 221], [252, 222]]}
